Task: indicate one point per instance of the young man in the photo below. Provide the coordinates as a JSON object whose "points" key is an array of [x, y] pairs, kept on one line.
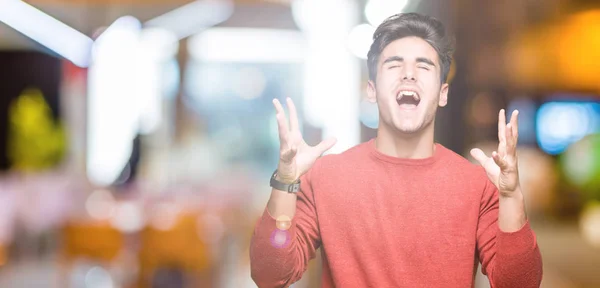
{"points": [[399, 210]]}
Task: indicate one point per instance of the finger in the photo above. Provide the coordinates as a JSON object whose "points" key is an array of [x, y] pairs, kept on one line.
{"points": [[499, 161], [325, 145], [501, 126], [281, 124], [278, 107], [479, 155], [511, 144], [514, 121], [293, 115]]}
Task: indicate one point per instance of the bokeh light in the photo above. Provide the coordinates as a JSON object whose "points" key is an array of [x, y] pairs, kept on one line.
{"points": [[377, 11], [280, 238], [589, 223], [560, 124], [98, 277], [128, 217], [283, 222], [581, 165], [360, 40], [100, 205]]}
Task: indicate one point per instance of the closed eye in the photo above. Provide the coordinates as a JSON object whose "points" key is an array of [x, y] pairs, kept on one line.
{"points": [[424, 67]]}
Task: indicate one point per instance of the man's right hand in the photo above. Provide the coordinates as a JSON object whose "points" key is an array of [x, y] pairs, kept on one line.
{"points": [[295, 156]]}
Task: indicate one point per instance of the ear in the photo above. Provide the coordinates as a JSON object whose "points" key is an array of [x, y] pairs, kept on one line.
{"points": [[443, 95], [371, 92]]}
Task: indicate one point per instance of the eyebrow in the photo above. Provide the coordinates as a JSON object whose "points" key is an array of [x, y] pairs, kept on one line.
{"points": [[401, 59]]}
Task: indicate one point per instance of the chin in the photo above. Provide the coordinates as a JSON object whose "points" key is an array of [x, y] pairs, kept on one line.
{"points": [[409, 129]]}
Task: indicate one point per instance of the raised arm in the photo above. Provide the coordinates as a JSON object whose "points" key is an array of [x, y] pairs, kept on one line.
{"points": [[287, 235], [506, 244]]}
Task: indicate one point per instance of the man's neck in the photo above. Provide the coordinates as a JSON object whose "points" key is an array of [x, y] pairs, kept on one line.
{"points": [[410, 146]]}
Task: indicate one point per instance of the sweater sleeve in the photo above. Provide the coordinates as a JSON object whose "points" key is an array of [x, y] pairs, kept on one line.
{"points": [[508, 259], [279, 258]]}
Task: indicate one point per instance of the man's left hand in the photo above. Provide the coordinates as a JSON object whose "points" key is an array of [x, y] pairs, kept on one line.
{"points": [[502, 167]]}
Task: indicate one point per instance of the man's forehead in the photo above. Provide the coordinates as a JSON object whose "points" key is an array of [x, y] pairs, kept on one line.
{"points": [[409, 48]]}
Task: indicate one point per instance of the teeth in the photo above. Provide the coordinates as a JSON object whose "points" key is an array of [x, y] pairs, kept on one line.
{"points": [[408, 93]]}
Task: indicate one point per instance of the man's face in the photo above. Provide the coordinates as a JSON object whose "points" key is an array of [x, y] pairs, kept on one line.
{"points": [[408, 87]]}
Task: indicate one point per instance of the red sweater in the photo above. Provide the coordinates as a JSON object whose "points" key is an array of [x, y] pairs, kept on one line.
{"points": [[383, 221]]}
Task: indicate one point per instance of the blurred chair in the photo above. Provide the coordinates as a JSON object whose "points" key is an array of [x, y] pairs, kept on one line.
{"points": [[94, 241], [174, 256]]}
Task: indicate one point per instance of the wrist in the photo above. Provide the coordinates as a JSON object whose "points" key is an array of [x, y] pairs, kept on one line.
{"points": [[512, 215], [515, 194], [285, 180]]}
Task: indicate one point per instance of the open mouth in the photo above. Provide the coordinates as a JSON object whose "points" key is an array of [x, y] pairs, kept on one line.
{"points": [[408, 99]]}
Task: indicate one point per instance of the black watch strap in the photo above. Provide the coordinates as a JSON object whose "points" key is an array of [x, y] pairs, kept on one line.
{"points": [[292, 188]]}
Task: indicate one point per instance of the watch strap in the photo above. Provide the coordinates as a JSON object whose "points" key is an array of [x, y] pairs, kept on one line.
{"points": [[291, 188]]}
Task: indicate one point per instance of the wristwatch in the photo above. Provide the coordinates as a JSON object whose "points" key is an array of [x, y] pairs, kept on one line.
{"points": [[291, 188]]}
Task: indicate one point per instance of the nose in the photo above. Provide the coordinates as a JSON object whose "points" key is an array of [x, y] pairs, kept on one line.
{"points": [[409, 74]]}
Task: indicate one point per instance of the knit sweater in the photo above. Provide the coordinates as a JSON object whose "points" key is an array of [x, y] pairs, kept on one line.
{"points": [[383, 221]]}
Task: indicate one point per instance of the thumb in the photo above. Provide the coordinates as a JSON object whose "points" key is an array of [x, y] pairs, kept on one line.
{"points": [[325, 145], [479, 155]]}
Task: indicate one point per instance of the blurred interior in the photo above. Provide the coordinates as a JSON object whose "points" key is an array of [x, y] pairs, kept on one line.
{"points": [[137, 137]]}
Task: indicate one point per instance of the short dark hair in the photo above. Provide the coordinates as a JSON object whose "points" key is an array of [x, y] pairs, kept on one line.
{"points": [[411, 24]]}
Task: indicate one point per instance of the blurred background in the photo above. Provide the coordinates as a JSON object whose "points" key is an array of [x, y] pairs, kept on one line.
{"points": [[137, 137]]}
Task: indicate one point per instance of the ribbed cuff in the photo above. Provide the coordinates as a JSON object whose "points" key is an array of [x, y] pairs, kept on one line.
{"points": [[517, 242]]}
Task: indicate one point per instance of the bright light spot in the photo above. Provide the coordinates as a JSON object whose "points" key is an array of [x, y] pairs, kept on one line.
{"points": [[100, 205], [313, 16], [250, 83], [590, 224], [156, 48], [113, 118], [248, 45], [377, 11], [128, 217], [46, 30], [360, 40], [563, 123], [335, 86], [158, 44], [126, 86], [280, 238], [98, 277], [122, 27], [369, 114], [283, 222]]}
